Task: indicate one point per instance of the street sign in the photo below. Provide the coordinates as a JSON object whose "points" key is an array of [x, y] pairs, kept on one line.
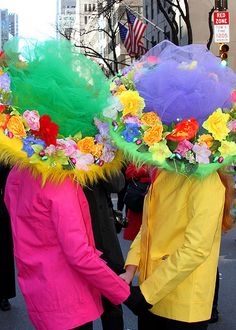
{"points": [[221, 26]]}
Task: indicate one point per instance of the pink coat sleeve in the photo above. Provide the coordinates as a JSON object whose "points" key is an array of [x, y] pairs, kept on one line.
{"points": [[70, 227]]}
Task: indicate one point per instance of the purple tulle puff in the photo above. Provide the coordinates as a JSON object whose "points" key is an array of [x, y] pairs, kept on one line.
{"points": [[188, 82]]}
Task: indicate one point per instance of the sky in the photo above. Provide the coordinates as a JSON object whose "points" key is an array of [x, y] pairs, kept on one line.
{"points": [[36, 17]]}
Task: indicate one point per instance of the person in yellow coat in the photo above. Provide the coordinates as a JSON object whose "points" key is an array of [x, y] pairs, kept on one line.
{"points": [[177, 250], [174, 118]]}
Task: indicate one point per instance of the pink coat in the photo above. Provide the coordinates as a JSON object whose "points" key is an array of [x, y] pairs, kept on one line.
{"points": [[60, 273]]}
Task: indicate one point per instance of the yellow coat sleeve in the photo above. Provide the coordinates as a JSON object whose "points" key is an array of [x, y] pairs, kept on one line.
{"points": [[133, 257], [205, 209]]}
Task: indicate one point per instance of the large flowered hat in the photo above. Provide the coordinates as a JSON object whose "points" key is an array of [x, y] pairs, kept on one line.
{"points": [[175, 109], [51, 98]]}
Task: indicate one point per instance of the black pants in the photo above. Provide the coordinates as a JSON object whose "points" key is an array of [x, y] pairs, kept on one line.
{"points": [[87, 326], [112, 317], [154, 322]]}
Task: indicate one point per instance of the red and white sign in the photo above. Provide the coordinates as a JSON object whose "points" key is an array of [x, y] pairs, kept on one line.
{"points": [[221, 18], [221, 26]]}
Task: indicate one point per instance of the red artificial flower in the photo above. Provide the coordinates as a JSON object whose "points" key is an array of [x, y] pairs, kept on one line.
{"points": [[186, 130], [48, 131], [2, 107]]}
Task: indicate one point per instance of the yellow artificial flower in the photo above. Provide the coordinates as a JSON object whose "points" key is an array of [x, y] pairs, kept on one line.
{"points": [[1, 72], [86, 145], [120, 90], [112, 86], [150, 119], [227, 148], [153, 135], [16, 127], [160, 151], [132, 102], [216, 124], [206, 138]]}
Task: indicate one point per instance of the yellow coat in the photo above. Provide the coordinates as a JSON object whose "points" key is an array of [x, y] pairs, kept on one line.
{"points": [[177, 247]]}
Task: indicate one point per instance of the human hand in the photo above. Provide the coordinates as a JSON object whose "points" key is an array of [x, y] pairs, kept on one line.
{"points": [[129, 274], [136, 302]]}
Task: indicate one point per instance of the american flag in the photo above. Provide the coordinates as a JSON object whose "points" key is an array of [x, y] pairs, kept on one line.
{"points": [[136, 31], [125, 37]]}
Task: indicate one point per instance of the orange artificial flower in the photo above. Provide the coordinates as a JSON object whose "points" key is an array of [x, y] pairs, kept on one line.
{"points": [[97, 150], [206, 138], [4, 120], [153, 135], [186, 130], [150, 119], [16, 127], [86, 145]]}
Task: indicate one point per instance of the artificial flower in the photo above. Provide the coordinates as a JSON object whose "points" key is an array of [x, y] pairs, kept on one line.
{"points": [[50, 150], [97, 150], [47, 131], [132, 120], [160, 151], [108, 154], [206, 138], [2, 107], [83, 160], [183, 147], [233, 96], [120, 90], [112, 110], [130, 132], [32, 119], [86, 145], [4, 120], [5, 82], [28, 142], [69, 146], [185, 130], [132, 102], [232, 125], [153, 135], [202, 153], [150, 119], [16, 127], [227, 148], [216, 124]]}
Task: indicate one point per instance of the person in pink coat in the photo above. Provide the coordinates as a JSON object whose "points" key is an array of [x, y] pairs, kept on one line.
{"points": [[60, 273], [55, 150]]}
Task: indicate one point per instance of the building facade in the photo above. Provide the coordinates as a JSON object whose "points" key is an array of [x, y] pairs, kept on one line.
{"points": [[66, 16], [8, 26], [199, 16]]}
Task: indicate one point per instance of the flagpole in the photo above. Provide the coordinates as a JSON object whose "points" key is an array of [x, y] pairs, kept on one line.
{"points": [[147, 20]]}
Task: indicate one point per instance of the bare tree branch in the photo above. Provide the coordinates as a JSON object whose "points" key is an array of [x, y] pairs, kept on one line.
{"points": [[211, 29]]}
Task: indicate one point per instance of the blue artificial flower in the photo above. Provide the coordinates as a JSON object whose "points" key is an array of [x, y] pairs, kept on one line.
{"points": [[131, 131], [28, 142]]}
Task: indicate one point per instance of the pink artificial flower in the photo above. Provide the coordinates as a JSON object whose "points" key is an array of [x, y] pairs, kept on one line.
{"points": [[32, 119], [69, 146], [183, 147], [50, 150], [232, 125], [202, 153], [107, 155], [83, 160], [132, 120]]}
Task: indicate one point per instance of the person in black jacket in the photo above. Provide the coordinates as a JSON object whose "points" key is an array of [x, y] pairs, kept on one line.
{"points": [[106, 240], [7, 271]]}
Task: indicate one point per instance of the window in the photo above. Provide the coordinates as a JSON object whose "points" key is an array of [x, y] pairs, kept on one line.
{"points": [[158, 36], [85, 19], [153, 41], [94, 7], [90, 7], [85, 7], [152, 10], [146, 7]]}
